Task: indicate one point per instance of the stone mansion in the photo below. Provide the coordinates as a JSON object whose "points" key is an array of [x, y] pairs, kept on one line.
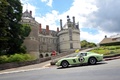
{"points": [[41, 41]]}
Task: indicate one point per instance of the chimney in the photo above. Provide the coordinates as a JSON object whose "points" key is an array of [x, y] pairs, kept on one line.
{"points": [[47, 29], [68, 19], [61, 24], [57, 29], [73, 21], [31, 13], [40, 28], [105, 36]]}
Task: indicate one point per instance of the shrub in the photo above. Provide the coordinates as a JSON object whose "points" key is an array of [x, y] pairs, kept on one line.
{"points": [[117, 47], [28, 57], [3, 59], [112, 48], [112, 52], [16, 58], [107, 50]]}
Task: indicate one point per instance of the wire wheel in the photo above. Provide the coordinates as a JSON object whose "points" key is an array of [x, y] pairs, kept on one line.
{"points": [[92, 61], [64, 64]]}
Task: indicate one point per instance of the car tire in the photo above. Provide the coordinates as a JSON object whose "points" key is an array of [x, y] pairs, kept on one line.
{"points": [[92, 61], [64, 64]]}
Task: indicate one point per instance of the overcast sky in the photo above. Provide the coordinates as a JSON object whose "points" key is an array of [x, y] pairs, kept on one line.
{"points": [[96, 18]]}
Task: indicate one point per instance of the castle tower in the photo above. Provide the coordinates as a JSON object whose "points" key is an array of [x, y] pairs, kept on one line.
{"points": [[69, 36], [31, 42]]}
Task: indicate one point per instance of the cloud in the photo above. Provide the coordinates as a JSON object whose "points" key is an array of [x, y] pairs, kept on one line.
{"points": [[24, 1], [80, 9], [107, 17], [49, 2], [49, 19], [27, 6], [99, 14], [102, 15], [92, 38], [96, 38]]}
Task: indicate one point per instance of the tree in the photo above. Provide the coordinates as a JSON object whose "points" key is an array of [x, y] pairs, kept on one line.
{"points": [[3, 24], [85, 44], [13, 33]]}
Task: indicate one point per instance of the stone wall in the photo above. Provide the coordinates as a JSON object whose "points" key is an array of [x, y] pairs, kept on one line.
{"points": [[46, 54], [19, 64]]}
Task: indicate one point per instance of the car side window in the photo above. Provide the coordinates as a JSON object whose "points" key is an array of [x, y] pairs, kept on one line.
{"points": [[83, 54]]}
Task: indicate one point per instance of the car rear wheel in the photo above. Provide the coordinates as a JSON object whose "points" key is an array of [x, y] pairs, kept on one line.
{"points": [[64, 64], [92, 61]]}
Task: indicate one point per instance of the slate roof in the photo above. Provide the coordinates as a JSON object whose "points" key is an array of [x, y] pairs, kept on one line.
{"points": [[110, 40], [26, 14], [51, 32]]}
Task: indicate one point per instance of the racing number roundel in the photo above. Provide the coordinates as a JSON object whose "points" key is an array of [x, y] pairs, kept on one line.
{"points": [[81, 59]]}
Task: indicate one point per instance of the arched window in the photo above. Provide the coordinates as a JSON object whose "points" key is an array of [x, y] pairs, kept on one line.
{"points": [[46, 55], [41, 55]]}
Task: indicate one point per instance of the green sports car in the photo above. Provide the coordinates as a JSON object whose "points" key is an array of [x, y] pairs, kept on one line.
{"points": [[80, 58]]}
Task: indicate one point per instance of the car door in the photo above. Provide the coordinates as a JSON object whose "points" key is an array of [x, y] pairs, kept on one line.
{"points": [[82, 58]]}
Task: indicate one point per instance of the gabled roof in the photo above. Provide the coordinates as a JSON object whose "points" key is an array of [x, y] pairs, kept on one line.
{"points": [[109, 40]]}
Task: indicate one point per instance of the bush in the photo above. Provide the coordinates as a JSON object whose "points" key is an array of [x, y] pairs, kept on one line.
{"points": [[112, 48], [3, 59], [16, 58], [107, 50], [27, 57], [118, 47]]}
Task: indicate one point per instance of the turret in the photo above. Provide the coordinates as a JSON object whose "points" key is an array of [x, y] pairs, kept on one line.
{"points": [[73, 21], [61, 24]]}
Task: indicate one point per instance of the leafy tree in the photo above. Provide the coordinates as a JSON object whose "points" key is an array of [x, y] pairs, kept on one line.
{"points": [[3, 25], [13, 33], [85, 44]]}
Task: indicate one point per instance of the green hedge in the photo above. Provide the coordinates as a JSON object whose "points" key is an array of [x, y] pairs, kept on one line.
{"points": [[16, 58], [107, 50]]}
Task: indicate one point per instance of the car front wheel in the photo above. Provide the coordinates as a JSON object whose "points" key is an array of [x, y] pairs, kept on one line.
{"points": [[92, 61], [64, 64]]}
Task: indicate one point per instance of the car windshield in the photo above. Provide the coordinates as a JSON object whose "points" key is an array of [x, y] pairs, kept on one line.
{"points": [[77, 54], [81, 54]]}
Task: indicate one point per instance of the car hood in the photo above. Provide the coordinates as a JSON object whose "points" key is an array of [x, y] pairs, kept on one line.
{"points": [[68, 58]]}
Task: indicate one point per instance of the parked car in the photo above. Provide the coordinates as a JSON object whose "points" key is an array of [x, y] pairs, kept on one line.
{"points": [[80, 58]]}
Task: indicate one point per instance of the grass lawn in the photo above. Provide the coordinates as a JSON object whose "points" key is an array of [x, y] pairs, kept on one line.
{"points": [[107, 50]]}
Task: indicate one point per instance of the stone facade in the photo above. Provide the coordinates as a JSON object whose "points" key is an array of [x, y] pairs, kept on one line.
{"points": [[69, 36], [41, 41]]}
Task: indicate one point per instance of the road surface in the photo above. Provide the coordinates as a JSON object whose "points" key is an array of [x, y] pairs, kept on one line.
{"points": [[107, 70]]}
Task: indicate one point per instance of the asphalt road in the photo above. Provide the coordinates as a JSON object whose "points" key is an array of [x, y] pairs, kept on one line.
{"points": [[107, 70]]}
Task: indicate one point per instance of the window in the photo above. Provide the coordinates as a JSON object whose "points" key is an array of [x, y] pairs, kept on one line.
{"points": [[70, 38], [43, 39], [71, 45], [82, 54], [70, 34], [32, 38]]}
